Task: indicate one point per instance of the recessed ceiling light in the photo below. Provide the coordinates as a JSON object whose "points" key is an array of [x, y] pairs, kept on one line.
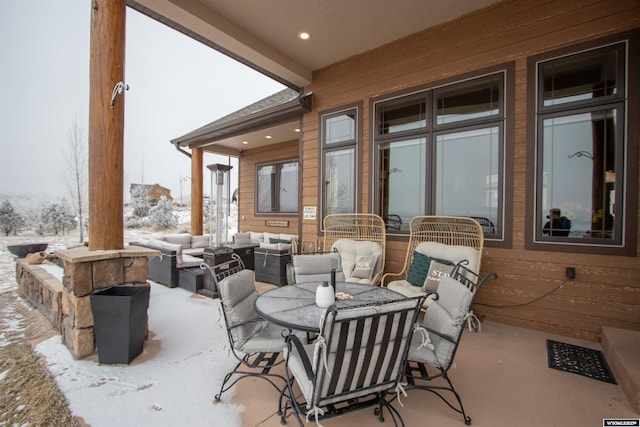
{"points": [[245, 142], [296, 130], [304, 36], [268, 136]]}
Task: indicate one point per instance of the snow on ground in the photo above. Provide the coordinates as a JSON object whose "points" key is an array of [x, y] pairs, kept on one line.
{"points": [[173, 382]]}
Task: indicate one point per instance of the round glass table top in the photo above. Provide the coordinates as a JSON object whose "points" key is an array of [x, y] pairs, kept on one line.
{"points": [[294, 306]]}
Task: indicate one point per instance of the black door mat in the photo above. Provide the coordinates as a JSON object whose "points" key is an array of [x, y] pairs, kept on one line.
{"points": [[579, 360]]}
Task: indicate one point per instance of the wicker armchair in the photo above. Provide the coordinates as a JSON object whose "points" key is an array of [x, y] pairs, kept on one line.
{"points": [[444, 238], [361, 241]]}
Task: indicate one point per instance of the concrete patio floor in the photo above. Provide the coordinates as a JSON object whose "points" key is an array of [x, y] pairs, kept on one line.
{"points": [[503, 378]]}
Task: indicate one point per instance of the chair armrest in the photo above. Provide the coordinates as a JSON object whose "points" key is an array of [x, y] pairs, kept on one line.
{"points": [[303, 354], [389, 277]]}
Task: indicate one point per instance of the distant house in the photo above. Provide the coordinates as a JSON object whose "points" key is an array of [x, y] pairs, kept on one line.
{"points": [[152, 192]]}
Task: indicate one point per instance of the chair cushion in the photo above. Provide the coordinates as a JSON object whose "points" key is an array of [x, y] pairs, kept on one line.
{"points": [[296, 366], [451, 253], [350, 250], [446, 315], [238, 294], [419, 268], [314, 268]]}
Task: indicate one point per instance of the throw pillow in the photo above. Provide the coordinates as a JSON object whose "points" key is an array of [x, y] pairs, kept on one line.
{"points": [[437, 269], [365, 266], [418, 269], [272, 240]]}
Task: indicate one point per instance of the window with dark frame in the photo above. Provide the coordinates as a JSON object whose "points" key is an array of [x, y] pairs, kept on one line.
{"points": [[580, 123], [441, 152], [277, 187], [339, 139]]}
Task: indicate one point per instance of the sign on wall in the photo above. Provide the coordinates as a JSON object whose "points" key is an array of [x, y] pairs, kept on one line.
{"points": [[309, 212]]}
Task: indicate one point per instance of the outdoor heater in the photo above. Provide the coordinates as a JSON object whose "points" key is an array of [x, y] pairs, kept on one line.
{"points": [[216, 253]]}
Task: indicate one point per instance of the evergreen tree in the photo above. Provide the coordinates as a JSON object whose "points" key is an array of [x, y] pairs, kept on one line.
{"points": [[139, 202], [161, 216], [57, 217], [10, 220]]}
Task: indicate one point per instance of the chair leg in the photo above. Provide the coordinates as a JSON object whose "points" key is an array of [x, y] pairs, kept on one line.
{"points": [[261, 365], [424, 377]]}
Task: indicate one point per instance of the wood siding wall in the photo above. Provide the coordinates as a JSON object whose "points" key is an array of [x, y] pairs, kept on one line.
{"points": [[606, 290], [247, 193]]}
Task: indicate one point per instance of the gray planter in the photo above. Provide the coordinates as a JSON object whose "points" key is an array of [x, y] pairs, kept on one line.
{"points": [[120, 322]]}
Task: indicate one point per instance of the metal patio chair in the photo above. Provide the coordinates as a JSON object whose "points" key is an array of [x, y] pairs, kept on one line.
{"points": [[255, 342], [434, 345], [356, 362]]}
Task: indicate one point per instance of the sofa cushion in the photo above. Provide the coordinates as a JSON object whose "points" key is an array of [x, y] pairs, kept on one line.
{"points": [[277, 246], [183, 239], [257, 237], [272, 240], [200, 241], [188, 261]]}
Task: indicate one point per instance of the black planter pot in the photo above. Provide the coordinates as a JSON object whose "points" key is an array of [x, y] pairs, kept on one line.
{"points": [[120, 322]]}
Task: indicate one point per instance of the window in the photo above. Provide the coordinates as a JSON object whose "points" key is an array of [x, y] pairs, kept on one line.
{"points": [[441, 152], [580, 146], [340, 133], [277, 187]]}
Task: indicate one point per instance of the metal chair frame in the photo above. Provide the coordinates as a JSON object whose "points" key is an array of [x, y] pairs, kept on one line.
{"points": [[417, 374], [345, 340], [249, 364]]}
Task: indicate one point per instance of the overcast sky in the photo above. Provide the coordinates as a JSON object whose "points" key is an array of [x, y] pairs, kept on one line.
{"points": [[176, 85]]}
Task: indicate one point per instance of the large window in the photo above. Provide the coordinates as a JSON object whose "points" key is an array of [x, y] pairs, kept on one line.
{"points": [[580, 147], [277, 187], [441, 152], [340, 133]]}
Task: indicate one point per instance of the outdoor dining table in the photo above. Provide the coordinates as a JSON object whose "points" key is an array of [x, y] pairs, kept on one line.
{"points": [[294, 306]]}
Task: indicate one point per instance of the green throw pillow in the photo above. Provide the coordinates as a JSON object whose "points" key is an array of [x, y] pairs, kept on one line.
{"points": [[272, 240], [419, 268]]}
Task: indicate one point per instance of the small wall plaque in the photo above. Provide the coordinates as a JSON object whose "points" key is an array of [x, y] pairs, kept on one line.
{"points": [[276, 223]]}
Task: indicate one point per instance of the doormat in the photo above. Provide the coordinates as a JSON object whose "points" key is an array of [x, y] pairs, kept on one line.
{"points": [[579, 360]]}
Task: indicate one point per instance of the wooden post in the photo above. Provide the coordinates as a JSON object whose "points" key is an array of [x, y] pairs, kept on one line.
{"points": [[196, 191], [106, 125]]}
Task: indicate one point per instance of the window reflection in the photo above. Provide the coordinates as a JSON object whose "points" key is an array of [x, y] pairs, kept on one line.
{"points": [[340, 181], [579, 172], [402, 191], [475, 192], [471, 101]]}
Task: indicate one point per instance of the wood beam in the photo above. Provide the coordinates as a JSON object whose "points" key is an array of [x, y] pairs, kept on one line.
{"points": [[196, 191], [106, 125]]}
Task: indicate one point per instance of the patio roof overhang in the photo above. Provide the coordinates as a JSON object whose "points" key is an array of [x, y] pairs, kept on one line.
{"points": [[277, 117]]}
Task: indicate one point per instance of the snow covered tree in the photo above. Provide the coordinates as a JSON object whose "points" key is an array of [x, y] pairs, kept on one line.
{"points": [[161, 216], [10, 220], [57, 217], [139, 202]]}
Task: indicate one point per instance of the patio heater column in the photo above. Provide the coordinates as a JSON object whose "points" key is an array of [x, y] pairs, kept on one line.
{"points": [[218, 171], [106, 124]]}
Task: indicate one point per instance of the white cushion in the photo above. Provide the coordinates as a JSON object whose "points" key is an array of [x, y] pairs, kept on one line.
{"points": [[350, 250], [258, 237], [183, 239], [453, 253], [315, 268], [200, 241], [437, 270], [277, 246], [446, 315]]}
